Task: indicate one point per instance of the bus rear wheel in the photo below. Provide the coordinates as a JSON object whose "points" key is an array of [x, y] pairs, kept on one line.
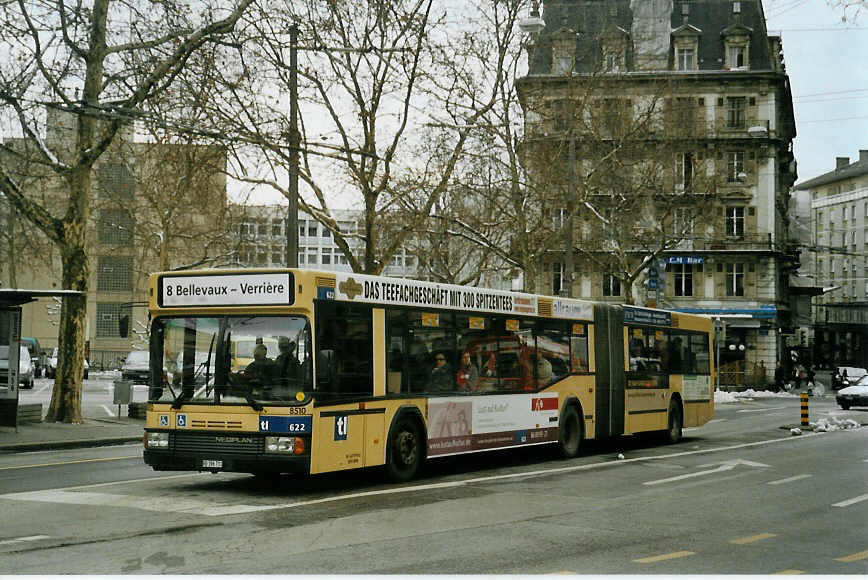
{"points": [[570, 433], [673, 431], [404, 457]]}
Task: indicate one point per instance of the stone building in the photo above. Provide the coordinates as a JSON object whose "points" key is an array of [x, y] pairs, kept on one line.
{"points": [[836, 259], [672, 121]]}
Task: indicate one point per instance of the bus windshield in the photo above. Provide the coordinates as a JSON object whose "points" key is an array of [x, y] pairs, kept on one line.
{"points": [[231, 359]]}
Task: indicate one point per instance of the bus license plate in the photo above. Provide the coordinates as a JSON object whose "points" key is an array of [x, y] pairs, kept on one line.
{"points": [[212, 463]]}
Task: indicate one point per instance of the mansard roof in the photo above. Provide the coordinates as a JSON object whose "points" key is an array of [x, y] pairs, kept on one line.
{"points": [[713, 19]]}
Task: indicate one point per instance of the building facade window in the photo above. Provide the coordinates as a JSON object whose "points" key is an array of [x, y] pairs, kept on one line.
{"points": [[683, 279], [116, 181], [611, 285], [735, 279], [557, 277], [735, 221], [114, 274], [115, 227], [108, 319], [683, 222], [735, 112], [684, 171], [735, 167]]}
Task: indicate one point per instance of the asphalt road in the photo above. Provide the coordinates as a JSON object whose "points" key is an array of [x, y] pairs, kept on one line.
{"points": [[737, 496]]}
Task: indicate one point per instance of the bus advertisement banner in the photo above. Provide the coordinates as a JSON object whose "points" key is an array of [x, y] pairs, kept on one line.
{"points": [[404, 292], [465, 424]]}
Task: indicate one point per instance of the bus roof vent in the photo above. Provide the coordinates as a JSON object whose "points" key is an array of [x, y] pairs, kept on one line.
{"points": [[322, 282], [544, 307]]}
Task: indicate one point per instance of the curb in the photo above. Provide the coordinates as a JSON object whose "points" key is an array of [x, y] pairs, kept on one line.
{"points": [[68, 444]]}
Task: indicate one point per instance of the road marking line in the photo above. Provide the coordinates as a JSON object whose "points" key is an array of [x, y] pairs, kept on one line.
{"points": [[789, 572], [717, 421], [107, 410], [228, 510], [789, 479], [854, 557], [68, 462], [760, 410], [661, 557], [23, 539], [850, 501], [751, 539]]}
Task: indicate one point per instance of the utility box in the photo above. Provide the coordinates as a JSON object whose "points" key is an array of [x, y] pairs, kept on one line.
{"points": [[123, 392]]}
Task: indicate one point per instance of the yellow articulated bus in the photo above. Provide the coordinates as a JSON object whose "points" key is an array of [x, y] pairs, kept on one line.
{"points": [[346, 371]]}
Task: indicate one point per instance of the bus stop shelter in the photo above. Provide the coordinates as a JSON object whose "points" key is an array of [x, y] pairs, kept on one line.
{"points": [[11, 301]]}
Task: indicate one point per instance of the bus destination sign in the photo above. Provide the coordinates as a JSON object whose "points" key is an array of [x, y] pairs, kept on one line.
{"points": [[226, 290]]}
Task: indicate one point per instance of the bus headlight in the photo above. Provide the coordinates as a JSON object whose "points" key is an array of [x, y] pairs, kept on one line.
{"points": [[289, 445], [157, 440]]}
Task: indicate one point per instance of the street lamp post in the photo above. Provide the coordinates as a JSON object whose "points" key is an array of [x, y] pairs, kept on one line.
{"points": [[294, 145], [567, 282]]}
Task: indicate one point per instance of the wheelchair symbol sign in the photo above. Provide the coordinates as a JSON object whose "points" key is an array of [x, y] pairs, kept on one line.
{"points": [[182, 420], [164, 420]]}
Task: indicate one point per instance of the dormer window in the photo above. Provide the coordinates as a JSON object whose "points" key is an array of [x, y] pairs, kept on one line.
{"points": [[614, 62], [736, 57], [563, 51], [685, 58], [736, 43], [685, 43]]}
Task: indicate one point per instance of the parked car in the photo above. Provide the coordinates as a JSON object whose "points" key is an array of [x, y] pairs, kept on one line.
{"points": [[854, 395], [51, 365], [37, 357], [137, 367], [25, 367]]}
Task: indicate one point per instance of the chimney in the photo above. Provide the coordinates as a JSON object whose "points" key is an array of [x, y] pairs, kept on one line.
{"points": [[863, 155], [841, 162]]}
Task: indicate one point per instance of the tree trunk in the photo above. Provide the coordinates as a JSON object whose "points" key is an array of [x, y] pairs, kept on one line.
{"points": [[65, 403]]}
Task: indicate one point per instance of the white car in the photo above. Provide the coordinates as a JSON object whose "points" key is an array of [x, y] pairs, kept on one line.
{"points": [[51, 371], [25, 367], [854, 395]]}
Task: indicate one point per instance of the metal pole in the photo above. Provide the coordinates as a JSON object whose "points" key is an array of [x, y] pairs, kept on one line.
{"points": [[567, 282], [294, 144]]}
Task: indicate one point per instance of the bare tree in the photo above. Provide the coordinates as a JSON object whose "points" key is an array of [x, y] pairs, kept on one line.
{"points": [[375, 77], [101, 62]]}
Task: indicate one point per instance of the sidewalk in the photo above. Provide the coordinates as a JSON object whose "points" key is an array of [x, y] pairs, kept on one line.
{"points": [[93, 432]]}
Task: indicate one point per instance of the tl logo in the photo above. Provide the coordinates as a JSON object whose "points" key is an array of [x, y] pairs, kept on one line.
{"points": [[341, 423]]}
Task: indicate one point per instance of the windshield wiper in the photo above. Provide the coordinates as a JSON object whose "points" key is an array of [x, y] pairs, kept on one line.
{"points": [[256, 405]]}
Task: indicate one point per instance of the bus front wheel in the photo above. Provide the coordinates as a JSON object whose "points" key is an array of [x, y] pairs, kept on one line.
{"points": [[570, 433], [404, 456], [673, 431]]}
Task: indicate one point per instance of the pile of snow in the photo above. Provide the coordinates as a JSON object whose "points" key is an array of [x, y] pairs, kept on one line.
{"points": [[750, 394], [834, 424]]}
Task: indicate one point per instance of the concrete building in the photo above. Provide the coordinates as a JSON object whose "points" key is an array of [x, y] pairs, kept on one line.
{"points": [[836, 259], [693, 100], [155, 206], [260, 235]]}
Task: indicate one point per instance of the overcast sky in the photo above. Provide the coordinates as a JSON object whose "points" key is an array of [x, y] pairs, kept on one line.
{"points": [[825, 60]]}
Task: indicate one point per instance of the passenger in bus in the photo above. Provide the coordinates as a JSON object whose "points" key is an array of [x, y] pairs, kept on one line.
{"points": [[674, 360], [543, 372], [468, 376], [490, 367], [440, 378], [261, 370], [286, 362]]}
